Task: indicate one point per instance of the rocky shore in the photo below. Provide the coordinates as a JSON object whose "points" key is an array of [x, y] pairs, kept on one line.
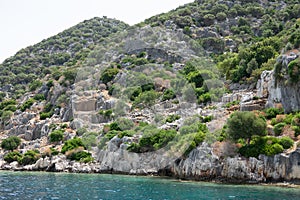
{"points": [[202, 164]]}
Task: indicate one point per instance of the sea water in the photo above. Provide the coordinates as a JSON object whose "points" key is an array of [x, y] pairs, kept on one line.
{"points": [[40, 185]]}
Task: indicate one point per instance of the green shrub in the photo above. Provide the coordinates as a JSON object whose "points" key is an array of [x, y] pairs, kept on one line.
{"points": [[81, 156], [27, 104], [30, 157], [47, 111], [124, 124], [245, 125], [262, 145], [294, 70], [207, 118], [147, 87], [273, 149], [286, 142], [12, 156], [184, 130], [72, 144], [278, 128], [54, 151], [109, 74], [168, 94], [10, 143], [6, 103], [152, 139], [46, 115], [50, 83], [296, 120], [128, 133], [134, 147], [56, 136], [297, 130], [172, 118], [273, 112], [145, 99], [39, 97], [35, 84]]}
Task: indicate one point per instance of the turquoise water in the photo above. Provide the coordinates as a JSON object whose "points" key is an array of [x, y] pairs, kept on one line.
{"points": [[37, 185]]}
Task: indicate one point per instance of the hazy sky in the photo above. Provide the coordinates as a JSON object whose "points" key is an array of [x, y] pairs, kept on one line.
{"points": [[26, 22]]}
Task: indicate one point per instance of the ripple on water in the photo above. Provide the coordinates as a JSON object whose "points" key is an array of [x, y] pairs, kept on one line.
{"points": [[24, 185]]}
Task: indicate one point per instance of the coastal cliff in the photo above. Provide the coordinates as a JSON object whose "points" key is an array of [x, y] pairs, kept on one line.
{"points": [[156, 98]]}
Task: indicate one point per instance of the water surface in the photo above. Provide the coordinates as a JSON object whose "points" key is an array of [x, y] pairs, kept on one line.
{"points": [[40, 185]]}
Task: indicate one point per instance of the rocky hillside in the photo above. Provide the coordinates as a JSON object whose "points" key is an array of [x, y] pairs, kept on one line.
{"points": [[160, 97], [68, 49]]}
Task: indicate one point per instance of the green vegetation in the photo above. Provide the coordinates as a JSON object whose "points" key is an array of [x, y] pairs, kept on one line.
{"points": [[81, 156], [172, 118], [13, 156], [72, 144], [244, 125], [10, 143], [168, 94], [89, 140], [30, 157], [68, 48], [27, 104], [109, 74], [152, 139], [272, 112], [47, 111], [278, 128], [56, 136], [266, 145], [294, 70]]}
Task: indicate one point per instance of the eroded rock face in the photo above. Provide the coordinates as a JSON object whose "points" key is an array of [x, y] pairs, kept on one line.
{"points": [[280, 91]]}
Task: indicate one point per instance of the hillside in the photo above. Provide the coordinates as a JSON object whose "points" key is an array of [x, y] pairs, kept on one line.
{"points": [[68, 48], [160, 97]]}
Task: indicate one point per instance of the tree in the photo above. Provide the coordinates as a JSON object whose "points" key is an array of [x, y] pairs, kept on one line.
{"points": [[244, 125], [11, 143]]}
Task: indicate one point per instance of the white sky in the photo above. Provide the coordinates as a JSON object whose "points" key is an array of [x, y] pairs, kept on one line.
{"points": [[27, 22]]}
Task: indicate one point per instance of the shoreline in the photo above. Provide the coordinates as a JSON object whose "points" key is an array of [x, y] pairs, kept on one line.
{"points": [[221, 181]]}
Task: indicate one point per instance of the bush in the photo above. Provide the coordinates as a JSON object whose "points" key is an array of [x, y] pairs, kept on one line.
{"points": [[12, 156], [108, 74], [124, 124], [296, 120], [7, 103], [128, 133], [81, 156], [153, 139], [145, 99], [35, 84], [294, 70], [45, 115], [272, 112], [10, 143], [245, 125], [278, 128], [30, 157], [27, 104], [72, 144], [286, 142], [172, 118], [168, 94], [262, 145], [56, 136], [297, 130], [39, 97]]}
